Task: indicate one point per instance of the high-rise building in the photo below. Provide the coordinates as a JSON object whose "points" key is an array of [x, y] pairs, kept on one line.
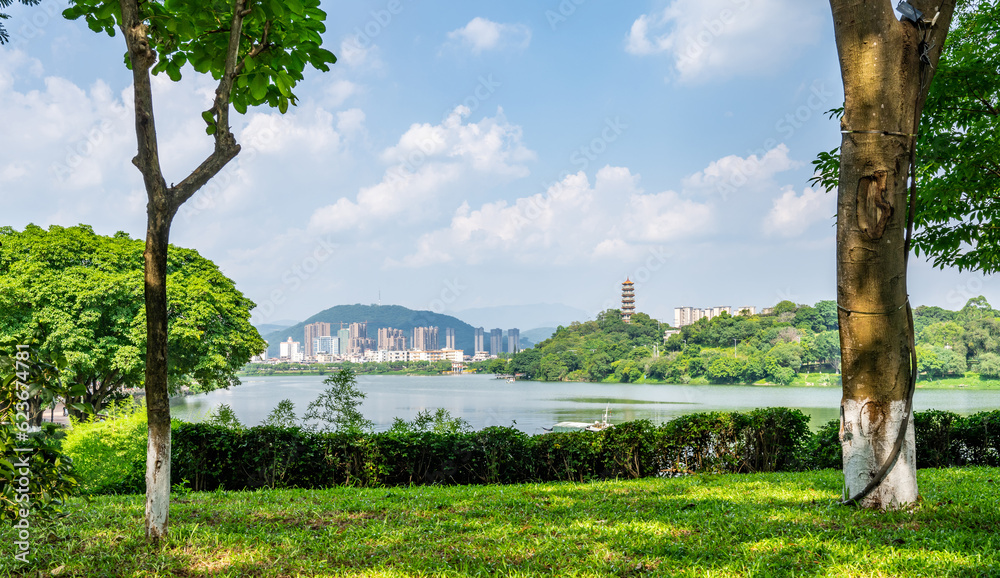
{"points": [[479, 342], [513, 340], [628, 300], [496, 341], [358, 341], [290, 350], [449, 338], [326, 345], [390, 339], [313, 331], [425, 338]]}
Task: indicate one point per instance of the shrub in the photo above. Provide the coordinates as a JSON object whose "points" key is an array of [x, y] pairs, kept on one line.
{"points": [[823, 450], [53, 477], [934, 431], [110, 455]]}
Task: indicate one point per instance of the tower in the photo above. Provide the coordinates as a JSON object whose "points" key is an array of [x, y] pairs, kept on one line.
{"points": [[628, 300]]}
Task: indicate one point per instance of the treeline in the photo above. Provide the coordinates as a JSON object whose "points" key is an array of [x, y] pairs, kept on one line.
{"points": [[772, 348]]}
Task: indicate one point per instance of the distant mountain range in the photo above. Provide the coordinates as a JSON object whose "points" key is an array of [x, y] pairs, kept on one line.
{"points": [[377, 316], [523, 316]]}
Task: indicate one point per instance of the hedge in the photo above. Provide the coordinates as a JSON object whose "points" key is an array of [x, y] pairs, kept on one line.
{"points": [[208, 456]]}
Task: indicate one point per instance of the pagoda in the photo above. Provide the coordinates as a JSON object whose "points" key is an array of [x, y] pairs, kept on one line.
{"points": [[628, 300]]}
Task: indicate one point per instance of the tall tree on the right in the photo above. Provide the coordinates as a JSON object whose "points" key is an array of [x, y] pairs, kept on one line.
{"points": [[887, 64]]}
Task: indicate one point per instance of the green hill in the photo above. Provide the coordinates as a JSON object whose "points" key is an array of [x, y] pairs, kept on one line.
{"points": [[378, 316]]}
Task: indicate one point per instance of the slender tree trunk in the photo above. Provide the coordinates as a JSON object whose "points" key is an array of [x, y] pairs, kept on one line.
{"points": [[885, 84], [163, 203], [157, 395]]}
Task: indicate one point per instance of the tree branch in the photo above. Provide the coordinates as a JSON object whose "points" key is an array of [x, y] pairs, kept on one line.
{"points": [[226, 147]]}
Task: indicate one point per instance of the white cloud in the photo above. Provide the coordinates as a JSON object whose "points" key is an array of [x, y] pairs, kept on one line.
{"points": [[791, 214], [355, 54], [339, 91], [481, 34], [428, 164], [732, 173], [569, 222], [712, 39]]}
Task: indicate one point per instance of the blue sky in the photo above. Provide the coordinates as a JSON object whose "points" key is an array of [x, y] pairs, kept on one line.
{"points": [[467, 155]]}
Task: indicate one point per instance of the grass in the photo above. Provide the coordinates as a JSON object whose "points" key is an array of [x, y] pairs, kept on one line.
{"points": [[706, 525]]}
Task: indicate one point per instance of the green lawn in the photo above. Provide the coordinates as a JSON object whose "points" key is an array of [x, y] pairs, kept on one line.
{"points": [[726, 525]]}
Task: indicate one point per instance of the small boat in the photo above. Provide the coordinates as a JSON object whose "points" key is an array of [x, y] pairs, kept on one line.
{"points": [[565, 426]]}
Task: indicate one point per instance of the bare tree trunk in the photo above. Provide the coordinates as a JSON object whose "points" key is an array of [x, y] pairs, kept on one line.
{"points": [[885, 85]]}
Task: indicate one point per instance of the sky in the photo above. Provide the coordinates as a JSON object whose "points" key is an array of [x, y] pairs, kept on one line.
{"points": [[473, 155]]}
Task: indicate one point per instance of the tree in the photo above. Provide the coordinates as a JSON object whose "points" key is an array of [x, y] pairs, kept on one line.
{"points": [[337, 408], [257, 50], [887, 66], [77, 294], [4, 37]]}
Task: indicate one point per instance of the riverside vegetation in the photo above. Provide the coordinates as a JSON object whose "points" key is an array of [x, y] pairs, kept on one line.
{"points": [[954, 348]]}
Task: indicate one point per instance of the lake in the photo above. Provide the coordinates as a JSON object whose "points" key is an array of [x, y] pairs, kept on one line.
{"points": [[484, 401]]}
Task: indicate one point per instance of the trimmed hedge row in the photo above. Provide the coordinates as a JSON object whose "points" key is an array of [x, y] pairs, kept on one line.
{"points": [[207, 456]]}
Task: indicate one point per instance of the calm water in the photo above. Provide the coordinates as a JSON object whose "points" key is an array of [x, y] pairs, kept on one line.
{"points": [[484, 401]]}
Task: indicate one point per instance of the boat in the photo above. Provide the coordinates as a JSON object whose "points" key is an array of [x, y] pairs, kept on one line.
{"points": [[565, 426]]}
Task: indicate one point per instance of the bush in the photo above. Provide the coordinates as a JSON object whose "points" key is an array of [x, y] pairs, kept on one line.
{"points": [[934, 433], [53, 478], [823, 450], [978, 439], [110, 455]]}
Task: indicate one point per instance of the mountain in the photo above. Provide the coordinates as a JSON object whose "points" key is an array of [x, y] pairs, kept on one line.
{"points": [[378, 316], [533, 336], [265, 328], [536, 315]]}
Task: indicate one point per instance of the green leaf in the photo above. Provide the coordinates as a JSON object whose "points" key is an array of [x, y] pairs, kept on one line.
{"points": [[258, 86]]}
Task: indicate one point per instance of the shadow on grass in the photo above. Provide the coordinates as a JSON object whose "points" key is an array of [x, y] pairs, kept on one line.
{"points": [[763, 525]]}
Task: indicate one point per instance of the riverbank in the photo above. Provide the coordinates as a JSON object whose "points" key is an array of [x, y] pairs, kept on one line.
{"points": [[720, 525]]}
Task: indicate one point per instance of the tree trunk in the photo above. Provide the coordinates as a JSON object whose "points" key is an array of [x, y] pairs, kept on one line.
{"points": [[157, 395], [885, 84], [162, 205]]}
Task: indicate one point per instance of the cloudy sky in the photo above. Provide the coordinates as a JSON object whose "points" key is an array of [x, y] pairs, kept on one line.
{"points": [[467, 155]]}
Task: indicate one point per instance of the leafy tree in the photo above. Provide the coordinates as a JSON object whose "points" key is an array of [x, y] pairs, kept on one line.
{"points": [[785, 306], [552, 368], [989, 366], [79, 295], [725, 370], [497, 366], [338, 407], [283, 415], [887, 66], [4, 37], [257, 50], [946, 334], [828, 315], [440, 421]]}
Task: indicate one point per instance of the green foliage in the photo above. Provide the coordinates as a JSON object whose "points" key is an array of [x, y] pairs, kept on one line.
{"points": [[337, 408], [278, 40], [110, 455], [283, 415], [82, 294], [52, 477], [224, 416], [989, 365], [440, 421], [208, 456], [823, 450]]}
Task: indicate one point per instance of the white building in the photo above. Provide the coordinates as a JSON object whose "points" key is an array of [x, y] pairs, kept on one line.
{"points": [[290, 350]]}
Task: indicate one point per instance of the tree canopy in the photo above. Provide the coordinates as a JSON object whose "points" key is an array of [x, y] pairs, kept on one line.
{"points": [[83, 291]]}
